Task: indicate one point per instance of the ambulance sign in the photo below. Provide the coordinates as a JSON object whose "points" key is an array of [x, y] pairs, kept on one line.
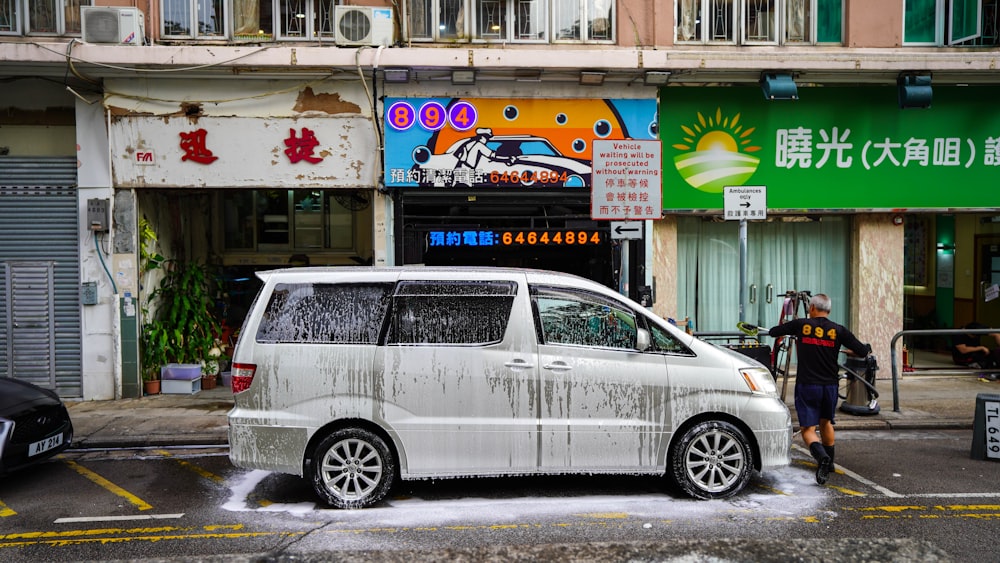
{"points": [[745, 202]]}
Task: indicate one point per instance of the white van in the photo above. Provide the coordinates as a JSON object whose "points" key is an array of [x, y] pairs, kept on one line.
{"points": [[357, 377]]}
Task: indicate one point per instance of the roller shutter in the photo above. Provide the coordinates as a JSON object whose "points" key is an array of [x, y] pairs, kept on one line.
{"points": [[40, 328]]}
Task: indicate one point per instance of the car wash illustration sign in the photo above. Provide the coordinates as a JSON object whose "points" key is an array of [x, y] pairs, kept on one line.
{"points": [[505, 142], [834, 148]]}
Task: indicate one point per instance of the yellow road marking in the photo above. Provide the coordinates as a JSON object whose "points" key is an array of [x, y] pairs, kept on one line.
{"points": [[5, 510], [616, 515], [969, 507], [850, 492], [68, 541], [101, 481], [771, 489], [892, 509], [188, 465]]}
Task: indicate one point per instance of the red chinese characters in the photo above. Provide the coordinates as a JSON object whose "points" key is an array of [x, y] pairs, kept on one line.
{"points": [[301, 148], [194, 146]]}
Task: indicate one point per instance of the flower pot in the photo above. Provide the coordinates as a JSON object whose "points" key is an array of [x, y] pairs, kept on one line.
{"points": [[208, 381], [151, 387]]}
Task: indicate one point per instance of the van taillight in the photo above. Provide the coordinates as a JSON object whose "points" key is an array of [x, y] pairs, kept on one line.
{"points": [[242, 376]]}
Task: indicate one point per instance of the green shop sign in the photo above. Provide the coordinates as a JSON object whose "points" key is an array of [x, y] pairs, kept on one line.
{"points": [[834, 148]]}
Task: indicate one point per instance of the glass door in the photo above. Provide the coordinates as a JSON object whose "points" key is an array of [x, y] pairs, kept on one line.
{"points": [[790, 255]]}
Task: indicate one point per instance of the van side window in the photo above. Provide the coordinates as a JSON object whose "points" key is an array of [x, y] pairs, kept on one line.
{"points": [[583, 319], [325, 313], [441, 312], [663, 341]]}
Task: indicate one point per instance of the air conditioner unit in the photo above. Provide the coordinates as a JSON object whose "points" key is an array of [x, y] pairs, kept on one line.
{"points": [[363, 25], [113, 25]]}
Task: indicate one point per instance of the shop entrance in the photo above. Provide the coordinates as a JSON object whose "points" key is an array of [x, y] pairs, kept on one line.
{"points": [[988, 274]]}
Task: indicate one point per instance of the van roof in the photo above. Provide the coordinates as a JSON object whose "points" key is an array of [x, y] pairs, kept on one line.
{"points": [[411, 268], [393, 272]]}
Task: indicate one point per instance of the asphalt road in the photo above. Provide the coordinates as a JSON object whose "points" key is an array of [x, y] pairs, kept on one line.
{"points": [[898, 496]]}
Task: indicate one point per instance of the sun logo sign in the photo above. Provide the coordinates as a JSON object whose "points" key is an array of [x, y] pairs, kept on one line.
{"points": [[715, 153]]}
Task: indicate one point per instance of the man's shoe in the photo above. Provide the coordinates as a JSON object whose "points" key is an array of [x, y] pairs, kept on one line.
{"points": [[823, 470]]}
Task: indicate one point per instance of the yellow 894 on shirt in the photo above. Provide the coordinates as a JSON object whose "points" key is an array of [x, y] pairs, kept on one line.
{"points": [[817, 335]]}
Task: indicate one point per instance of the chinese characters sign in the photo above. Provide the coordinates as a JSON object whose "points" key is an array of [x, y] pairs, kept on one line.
{"points": [[195, 147], [513, 237], [626, 180], [744, 203], [505, 142], [834, 148], [244, 152]]}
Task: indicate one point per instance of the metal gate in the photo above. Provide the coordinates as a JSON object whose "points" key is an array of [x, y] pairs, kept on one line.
{"points": [[40, 328], [30, 322]]}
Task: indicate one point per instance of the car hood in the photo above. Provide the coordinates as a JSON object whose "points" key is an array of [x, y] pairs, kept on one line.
{"points": [[17, 395]]}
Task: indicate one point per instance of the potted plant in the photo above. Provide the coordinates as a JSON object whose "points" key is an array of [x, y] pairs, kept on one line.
{"points": [[153, 356], [210, 366], [153, 337], [182, 327]]}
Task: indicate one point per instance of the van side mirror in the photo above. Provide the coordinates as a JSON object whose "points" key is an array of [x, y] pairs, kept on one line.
{"points": [[642, 339]]}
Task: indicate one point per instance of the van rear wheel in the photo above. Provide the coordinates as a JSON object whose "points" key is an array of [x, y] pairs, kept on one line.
{"points": [[712, 460], [352, 468]]}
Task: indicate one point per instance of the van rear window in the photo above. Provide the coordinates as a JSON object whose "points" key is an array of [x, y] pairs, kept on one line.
{"points": [[325, 313], [451, 312]]}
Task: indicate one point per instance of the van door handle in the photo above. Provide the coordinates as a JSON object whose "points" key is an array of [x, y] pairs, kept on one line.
{"points": [[770, 293], [558, 366], [753, 293], [518, 364]]}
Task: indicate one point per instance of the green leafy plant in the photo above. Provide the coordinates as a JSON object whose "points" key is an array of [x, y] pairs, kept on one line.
{"points": [[182, 328], [149, 258]]}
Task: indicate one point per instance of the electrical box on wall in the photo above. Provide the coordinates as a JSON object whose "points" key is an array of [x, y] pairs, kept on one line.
{"points": [[98, 214], [88, 293]]}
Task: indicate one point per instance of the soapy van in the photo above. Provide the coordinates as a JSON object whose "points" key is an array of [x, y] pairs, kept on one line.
{"points": [[356, 378]]}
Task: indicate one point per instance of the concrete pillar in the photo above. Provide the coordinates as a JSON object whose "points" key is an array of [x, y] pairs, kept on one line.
{"points": [[877, 284]]}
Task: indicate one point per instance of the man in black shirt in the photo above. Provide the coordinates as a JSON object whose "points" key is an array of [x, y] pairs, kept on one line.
{"points": [[818, 342], [968, 350]]}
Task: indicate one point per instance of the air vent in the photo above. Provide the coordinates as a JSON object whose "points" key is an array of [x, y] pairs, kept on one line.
{"points": [[363, 25], [114, 26]]}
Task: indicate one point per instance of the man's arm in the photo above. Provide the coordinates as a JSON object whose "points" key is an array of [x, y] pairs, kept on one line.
{"points": [[966, 349], [784, 329], [852, 343]]}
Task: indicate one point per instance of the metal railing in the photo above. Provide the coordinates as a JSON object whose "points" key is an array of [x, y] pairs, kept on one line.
{"points": [[924, 332]]}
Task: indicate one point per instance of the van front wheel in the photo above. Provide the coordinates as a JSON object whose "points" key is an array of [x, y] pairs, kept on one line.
{"points": [[711, 460], [352, 468]]}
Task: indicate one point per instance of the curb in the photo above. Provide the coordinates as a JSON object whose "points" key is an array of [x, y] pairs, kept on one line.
{"points": [[126, 442]]}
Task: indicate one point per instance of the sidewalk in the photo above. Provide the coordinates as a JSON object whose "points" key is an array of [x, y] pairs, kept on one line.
{"points": [[926, 402]]}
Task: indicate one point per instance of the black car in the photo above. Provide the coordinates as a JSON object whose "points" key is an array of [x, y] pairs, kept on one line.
{"points": [[34, 424]]}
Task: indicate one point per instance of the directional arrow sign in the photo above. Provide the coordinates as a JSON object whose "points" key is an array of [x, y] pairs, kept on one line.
{"points": [[745, 202], [626, 229]]}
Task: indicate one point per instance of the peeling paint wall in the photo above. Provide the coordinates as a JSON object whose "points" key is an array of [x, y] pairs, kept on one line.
{"points": [[317, 134], [246, 152]]}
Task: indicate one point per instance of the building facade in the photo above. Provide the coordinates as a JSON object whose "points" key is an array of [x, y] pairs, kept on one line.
{"points": [[599, 138]]}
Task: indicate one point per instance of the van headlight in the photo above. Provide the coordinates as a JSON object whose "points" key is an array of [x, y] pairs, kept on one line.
{"points": [[759, 380]]}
